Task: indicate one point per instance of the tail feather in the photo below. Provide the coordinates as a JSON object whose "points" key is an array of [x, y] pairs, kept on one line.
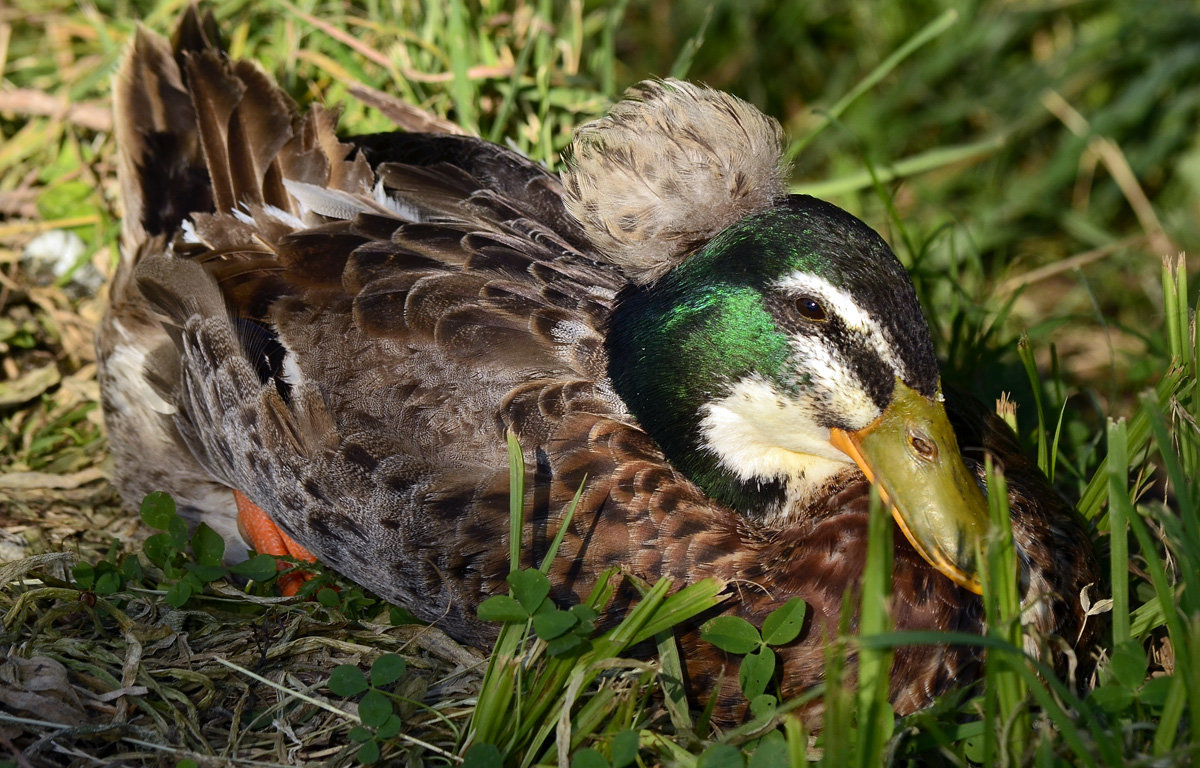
{"points": [[196, 32], [201, 133], [160, 163]]}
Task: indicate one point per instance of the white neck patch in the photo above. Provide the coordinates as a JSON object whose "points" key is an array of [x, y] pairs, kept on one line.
{"points": [[757, 432]]}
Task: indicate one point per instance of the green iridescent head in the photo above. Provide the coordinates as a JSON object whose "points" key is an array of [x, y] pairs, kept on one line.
{"points": [[801, 308]]}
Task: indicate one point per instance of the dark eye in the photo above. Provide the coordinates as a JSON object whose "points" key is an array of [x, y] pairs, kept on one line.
{"points": [[809, 308]]}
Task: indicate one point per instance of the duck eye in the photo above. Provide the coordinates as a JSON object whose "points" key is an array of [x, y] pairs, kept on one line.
{"points": [[810, 308]]}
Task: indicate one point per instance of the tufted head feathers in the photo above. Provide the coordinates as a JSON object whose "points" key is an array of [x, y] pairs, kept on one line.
{"points": [[668, 168]]}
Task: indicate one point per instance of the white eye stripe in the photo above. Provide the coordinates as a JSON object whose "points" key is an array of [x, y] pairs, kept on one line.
{"points": [[836, 301], [853, 316]]}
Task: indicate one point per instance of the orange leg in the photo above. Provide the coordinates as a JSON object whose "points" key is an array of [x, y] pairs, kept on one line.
{"points": [[261, 533]]}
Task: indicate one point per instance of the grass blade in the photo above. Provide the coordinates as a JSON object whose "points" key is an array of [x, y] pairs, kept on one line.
{"points": [[516, 501], [874, 710], [912, 45], [568, 516], [1174, 385], [461, 88], [1005, 695], [1035, 382], [915, 165], [674, 696], [1119, 508]]}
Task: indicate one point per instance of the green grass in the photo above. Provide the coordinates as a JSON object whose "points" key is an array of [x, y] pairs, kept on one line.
{"points": [[1031, 163]]}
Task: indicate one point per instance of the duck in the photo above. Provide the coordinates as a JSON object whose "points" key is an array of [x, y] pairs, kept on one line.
{"points": [[329, 338]]}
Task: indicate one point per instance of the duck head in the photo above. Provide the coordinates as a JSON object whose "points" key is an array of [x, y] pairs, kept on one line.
{"points": [[787, 349], [768, 343]]}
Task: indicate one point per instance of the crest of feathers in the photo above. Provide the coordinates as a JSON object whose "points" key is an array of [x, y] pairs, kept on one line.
{"points": [[667, 169]]}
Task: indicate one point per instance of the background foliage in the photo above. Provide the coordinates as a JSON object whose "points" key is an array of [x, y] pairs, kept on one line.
{"points": [[1031, 161]]}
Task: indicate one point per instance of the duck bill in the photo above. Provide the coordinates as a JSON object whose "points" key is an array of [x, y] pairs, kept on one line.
{"points": [[910, 453]]}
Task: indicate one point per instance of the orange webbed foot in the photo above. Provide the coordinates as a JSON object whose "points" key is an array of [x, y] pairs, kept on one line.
{"points": [[261, 533]]}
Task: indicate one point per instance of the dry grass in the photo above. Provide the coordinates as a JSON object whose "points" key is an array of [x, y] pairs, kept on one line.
{"points": [[229, 680]]}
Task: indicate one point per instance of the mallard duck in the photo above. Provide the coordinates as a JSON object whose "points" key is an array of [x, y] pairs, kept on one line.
{"points": [[343, 330]]}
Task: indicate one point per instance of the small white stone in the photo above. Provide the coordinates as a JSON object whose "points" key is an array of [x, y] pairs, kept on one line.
{"points": [[53, 254]]}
